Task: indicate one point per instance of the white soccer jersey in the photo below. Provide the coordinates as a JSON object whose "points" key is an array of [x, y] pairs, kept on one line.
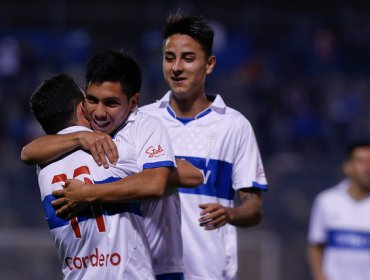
{"points": [[104, 241], [343, 225], [143, 142], [221, 143]]}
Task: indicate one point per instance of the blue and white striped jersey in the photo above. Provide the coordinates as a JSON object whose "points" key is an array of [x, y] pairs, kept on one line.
{"points": [[143, 142], [221, 143], [343, 225], [105, 241]]}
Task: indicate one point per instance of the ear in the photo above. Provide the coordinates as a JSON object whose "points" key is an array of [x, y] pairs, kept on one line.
{"points": [[346, 167], [81, 116], [211, 63], [134, 101], [83, 108]]}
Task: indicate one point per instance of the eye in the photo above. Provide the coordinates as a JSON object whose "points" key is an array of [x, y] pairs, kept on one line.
{"points": [[111, 103], [91, 100], [169, 57], [189, 58]]}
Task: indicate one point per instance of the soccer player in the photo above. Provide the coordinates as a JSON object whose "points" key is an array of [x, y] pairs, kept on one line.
{"points": [[215, 138], [105, 101], [103, 242], [339, 229]]}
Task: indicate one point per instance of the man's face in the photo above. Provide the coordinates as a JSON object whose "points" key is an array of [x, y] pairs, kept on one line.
{"points": [[358, 168], [185, 66], [107, 107]]}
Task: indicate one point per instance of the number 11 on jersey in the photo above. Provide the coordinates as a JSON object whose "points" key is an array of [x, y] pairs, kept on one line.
{"points": [[82, 173]]}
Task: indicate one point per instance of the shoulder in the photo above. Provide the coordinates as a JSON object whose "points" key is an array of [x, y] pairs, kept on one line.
{"points": [[333, 193], [146, 117], [236, 120], [78, 155], [228, 114], [146, 122], [150, 107], [154, 109]]}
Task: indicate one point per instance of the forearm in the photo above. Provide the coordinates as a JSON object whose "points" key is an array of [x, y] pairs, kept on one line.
{"points": [[185, 175], [249, 212], [315, 258], [49, 147], [146, 184]]}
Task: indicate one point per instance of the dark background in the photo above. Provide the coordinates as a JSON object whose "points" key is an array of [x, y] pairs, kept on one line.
{"points": [[298, 71]]}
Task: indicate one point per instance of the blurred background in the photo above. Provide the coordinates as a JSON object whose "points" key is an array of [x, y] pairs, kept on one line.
{"points": [[298, 71]]}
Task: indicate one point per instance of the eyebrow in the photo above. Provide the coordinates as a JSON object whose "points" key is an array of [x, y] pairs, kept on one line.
{"points": [[104, 99], [182, 54]]}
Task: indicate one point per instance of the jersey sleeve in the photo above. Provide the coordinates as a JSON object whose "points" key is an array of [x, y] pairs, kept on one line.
{"points": [[154, 148], [248, 168], [316, 229]]}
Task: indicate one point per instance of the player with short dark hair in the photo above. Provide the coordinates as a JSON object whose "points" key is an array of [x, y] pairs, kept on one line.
{"points": [[142, 144], [339, 228], [103, 242], [54, 103], [215, 138]]}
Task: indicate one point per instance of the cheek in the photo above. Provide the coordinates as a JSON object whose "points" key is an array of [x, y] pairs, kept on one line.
{"points": [[166, 69], [88, 108], [200, 76], [199, 71], [120, 116]]}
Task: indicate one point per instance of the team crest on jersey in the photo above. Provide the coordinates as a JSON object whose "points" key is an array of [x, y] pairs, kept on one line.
{"points": [[260, 171], [155, 151]]}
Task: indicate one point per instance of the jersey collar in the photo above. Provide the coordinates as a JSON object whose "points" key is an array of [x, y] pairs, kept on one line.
{"points": [[131, 118], [74, 128], [218, 105]]}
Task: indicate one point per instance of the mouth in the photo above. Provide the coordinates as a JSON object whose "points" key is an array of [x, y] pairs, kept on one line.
{"points": [[177, 79], [100, 125]]}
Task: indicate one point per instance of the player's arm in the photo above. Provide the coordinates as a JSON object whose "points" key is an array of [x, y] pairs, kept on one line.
{"points": [[315, 254], [185, 175], [247, 167], [248, 213], [149, 183], [49, 147]]}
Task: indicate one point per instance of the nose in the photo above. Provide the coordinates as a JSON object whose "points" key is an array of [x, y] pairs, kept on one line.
{"points": [[100, 112], [177, 66]]}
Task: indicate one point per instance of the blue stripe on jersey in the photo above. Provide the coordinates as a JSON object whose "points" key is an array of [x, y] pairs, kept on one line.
{"points": [[349, 239], [114, 208], [166, 163], [217, 182], [187, 120], [108, 209], [260, 186], [107, 180], [202, 114], [170, 276]]}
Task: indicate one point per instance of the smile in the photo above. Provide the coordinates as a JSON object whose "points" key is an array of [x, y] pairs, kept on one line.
{"points": [[177, 79], [100, 123]]}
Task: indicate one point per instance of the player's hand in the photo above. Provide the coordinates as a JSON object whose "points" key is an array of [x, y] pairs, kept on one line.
{"points": [[70, 200], [101, 147], [213, 216]]}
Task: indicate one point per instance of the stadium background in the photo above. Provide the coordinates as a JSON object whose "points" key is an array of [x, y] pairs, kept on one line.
{"points": [[298, 71]]}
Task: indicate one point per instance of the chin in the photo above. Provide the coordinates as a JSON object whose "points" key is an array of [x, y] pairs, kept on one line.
{"points": [[180, 95], [100, 129]]}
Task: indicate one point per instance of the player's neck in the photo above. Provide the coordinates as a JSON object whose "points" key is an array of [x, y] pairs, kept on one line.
{"points": [[82, 121], [189, 107], [357, 192]]}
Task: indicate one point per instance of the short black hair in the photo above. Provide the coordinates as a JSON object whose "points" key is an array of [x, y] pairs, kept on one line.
{"points": [[54, 103], [115, 66], [351, 147], [194, 26]]}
